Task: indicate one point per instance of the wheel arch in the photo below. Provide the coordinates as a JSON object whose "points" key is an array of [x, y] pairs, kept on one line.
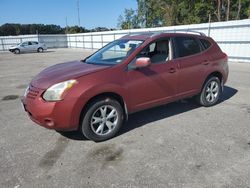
{"points": [[17, 49], [214, 73], [217, 74], [113, 95]]}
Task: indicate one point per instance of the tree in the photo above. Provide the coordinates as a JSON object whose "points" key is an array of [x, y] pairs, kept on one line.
{"points": [[8, 29], [129, 20], [171, 11], [153, 13], [141, 13], [248, 11], [218, 13], [239, 8], [76, 29], [228, 9], [99, 29], [24, 29]]}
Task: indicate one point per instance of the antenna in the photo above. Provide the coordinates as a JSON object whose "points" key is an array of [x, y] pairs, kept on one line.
{"points": [[78, 3]]}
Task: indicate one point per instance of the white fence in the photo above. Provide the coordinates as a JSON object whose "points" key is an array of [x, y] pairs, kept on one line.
{"points": [[52, 41], [232, 36]]}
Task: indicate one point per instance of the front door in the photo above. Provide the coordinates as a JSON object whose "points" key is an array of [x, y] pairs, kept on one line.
{"points": [[155, 84], [25, 47]]}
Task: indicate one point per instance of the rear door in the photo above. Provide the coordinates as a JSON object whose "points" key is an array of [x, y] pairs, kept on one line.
{"points": [[191, 65], [156, 84], [29, 47], [34, 46]]}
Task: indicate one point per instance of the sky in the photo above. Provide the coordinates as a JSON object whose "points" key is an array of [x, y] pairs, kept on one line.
{"points": [[93, 13]]}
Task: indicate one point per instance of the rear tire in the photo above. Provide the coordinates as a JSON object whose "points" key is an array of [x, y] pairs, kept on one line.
{"points": [[40, 50], [210, 93], [102, 119]]}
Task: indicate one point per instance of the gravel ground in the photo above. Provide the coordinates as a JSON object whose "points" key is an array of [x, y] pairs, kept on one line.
{"points": [[175, 145]]}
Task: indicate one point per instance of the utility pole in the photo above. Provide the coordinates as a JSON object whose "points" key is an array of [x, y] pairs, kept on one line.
{"points": [[66, 21], [37, 35], [209, 24], [78, 3]]}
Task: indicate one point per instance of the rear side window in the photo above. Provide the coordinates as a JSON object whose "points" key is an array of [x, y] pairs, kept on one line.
{"points": [[186, 46], [206, 44]]}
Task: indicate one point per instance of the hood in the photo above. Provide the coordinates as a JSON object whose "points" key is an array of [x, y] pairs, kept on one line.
{"points": [[62, 72], [13, 46]]}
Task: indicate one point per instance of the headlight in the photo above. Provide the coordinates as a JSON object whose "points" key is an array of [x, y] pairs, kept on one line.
{"points": [[54, 93]]}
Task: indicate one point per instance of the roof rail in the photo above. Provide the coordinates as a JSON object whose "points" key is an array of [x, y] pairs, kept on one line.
{"points": [[155, 33], [190, 31]]}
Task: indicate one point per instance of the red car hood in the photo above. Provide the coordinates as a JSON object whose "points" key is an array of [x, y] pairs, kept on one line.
{"points": [[62, 72]]}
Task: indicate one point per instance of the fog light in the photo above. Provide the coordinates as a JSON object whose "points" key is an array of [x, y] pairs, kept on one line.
{"points": [[49, 122]]}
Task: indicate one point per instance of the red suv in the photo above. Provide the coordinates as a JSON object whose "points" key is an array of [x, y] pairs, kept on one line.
{"points": [[136, 72]]}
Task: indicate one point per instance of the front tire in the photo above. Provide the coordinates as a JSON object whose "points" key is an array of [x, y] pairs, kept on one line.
{"points": [[102, 119], [40, 50], [211, 92], [17, 51]]}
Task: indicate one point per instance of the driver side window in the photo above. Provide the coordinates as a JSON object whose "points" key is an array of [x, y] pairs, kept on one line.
{"points": [[25, 44], [158, 52]]}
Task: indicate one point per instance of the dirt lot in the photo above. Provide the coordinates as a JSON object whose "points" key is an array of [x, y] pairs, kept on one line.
{"points": [[176, 145]]}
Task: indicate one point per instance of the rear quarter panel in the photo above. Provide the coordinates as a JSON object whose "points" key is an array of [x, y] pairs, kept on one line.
{"points": [[218, 61]]}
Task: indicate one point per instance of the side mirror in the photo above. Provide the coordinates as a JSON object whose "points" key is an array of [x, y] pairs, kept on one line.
{"points": [[142, 62]]}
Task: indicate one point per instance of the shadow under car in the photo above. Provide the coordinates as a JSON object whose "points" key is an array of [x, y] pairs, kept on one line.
{"points": [[145, 117]]}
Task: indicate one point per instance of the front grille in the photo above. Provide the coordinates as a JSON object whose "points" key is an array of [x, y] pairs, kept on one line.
{"points": [[32, 92]]}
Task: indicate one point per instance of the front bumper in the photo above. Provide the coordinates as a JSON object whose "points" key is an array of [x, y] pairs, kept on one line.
{"points": [[59, 115]]}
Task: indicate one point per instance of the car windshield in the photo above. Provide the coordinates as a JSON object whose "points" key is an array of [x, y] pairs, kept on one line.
{"points": [[114, 53]]}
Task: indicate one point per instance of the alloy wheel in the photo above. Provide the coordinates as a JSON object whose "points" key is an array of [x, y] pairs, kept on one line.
{"points": [[212, 91], [104, 120]]}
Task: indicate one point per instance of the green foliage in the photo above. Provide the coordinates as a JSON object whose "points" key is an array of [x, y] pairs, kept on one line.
{"points": [[75, 29], [129, 20], [153, 13], [25, 29]]}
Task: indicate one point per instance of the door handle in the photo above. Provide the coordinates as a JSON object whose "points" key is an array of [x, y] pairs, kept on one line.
{"points": [[172, 70], [206, 62]]}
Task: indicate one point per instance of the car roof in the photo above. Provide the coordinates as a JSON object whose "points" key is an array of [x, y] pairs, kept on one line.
{"points": [[148, 35], [30, 41]]}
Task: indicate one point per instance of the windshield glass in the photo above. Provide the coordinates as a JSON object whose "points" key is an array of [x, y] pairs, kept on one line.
{"points": [[114, 52]]}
